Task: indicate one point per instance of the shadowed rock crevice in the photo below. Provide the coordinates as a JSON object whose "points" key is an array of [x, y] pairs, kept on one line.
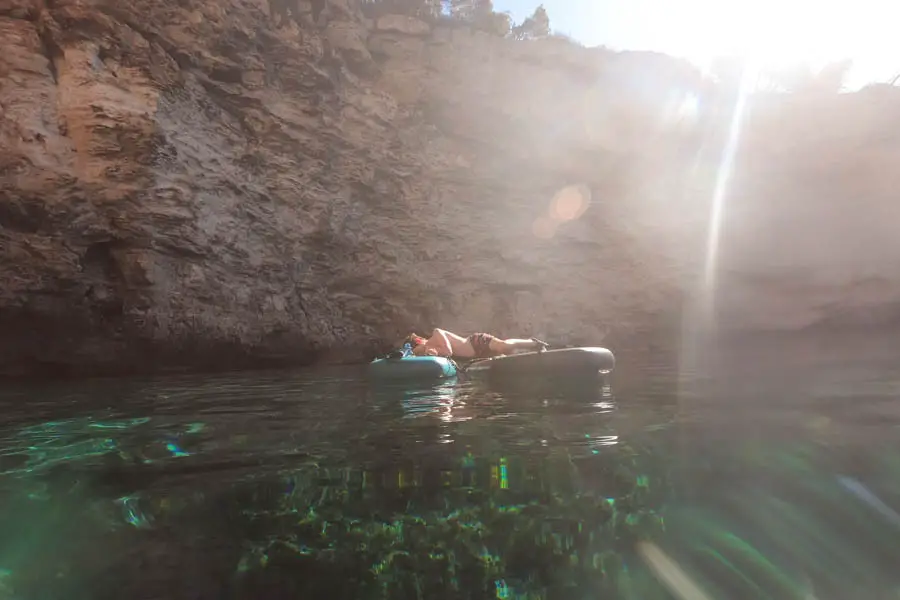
{"points": [[51, 50], [104, 279], [20, 216]]}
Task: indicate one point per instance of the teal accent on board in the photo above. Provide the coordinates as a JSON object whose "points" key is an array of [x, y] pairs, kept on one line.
{"points": [[413, 367]]}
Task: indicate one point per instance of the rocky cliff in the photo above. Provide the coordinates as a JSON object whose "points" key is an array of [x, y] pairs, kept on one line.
{"points": [[232, 183]]}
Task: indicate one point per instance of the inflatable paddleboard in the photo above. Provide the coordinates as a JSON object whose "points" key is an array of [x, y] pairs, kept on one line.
{"points": [[413, 367], [563, 361]]}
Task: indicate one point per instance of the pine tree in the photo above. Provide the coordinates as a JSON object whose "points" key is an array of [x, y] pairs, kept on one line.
{"points": [[541, 21], [500, 24], [535, 27]]}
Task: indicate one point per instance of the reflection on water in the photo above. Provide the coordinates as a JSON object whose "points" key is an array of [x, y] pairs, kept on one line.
{"points": [[323, 484]]}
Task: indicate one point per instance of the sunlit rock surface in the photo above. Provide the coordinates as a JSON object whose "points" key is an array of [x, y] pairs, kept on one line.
{"points": [[229, 184]]}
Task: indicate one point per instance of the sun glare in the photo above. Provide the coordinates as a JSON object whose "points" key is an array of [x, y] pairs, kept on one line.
{"points": [[781, 33]]}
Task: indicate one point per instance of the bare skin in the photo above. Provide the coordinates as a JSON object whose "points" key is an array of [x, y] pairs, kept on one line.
{"points": [[447, 343]]}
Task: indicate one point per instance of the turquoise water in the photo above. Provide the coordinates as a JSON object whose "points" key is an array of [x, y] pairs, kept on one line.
{"points": [[317, 484]]}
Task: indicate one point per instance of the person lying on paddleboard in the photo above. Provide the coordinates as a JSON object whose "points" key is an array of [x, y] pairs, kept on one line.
{"points": [[477, 345]]}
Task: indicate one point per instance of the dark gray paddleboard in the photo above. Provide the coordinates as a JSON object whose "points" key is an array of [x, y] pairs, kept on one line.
{"points": [[562, 361]]}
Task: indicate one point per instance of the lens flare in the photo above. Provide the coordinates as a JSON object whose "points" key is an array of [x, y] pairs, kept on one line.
{"points": [[570, 203]]}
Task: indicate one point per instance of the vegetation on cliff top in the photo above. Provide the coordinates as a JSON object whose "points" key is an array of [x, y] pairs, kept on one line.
{"points": [[480, 15]]}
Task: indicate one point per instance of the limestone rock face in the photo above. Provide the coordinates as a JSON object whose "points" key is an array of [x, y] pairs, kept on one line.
{"points": [[402, 24], [244, 182], [809, 234]]}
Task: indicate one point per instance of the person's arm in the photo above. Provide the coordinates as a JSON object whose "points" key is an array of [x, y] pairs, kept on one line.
{"points": [[441, 344]]}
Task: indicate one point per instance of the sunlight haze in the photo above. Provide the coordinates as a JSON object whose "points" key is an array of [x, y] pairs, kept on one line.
{"points": [[771, 32]]}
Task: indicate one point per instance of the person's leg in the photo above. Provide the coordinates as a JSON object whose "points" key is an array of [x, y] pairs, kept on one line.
{"points": [[510, 345]]}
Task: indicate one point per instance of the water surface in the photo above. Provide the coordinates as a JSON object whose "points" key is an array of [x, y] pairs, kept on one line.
{"points": [[319, 484]]}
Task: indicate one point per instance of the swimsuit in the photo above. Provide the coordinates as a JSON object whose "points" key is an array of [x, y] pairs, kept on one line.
{"points": [[481, 343]]}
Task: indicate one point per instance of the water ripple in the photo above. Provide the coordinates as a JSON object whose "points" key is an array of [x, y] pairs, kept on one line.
{"points": [[309, 484]]}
